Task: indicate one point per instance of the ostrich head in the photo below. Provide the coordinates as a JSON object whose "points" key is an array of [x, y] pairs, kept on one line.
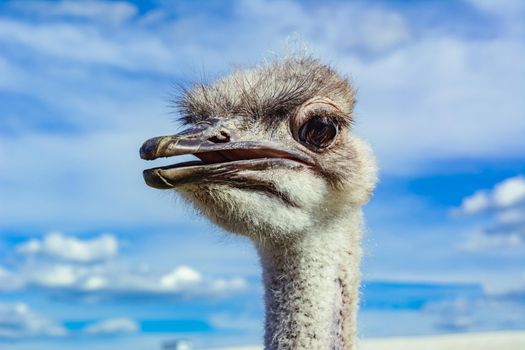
{"points": [[276, 151]]}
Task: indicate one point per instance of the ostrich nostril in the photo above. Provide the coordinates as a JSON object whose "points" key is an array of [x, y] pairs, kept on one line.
{"points": [[221, 137]]}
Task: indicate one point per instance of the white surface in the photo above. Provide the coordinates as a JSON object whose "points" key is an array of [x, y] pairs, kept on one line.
{"points": [[477, 341]]}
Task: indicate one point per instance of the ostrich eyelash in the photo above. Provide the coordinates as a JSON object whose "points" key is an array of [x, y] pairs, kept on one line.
{"points": [[343, 119]]}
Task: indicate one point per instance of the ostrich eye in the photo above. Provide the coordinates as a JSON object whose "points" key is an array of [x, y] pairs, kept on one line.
{"points": [[319, 132]]}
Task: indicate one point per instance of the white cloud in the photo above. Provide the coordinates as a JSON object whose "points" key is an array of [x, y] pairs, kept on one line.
{"points": [[180, 277], [510, 192], [113, 326], [505, 8], [476, 203], [59, 246], [91, 269], [19, 321], [504, 206], [182, 281], [55, 276], [94, 283]]}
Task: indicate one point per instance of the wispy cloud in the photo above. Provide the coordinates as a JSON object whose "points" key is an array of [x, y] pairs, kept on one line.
{"points": [[477, 314], [452, 315], [112, 12], [19, 321], [236, 322]]}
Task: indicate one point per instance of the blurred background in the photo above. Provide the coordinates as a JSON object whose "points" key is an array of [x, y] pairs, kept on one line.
{"points": [[91, 258]]}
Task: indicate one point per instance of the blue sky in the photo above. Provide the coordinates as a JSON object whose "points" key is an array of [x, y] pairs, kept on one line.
{"points": [[91, 257]]}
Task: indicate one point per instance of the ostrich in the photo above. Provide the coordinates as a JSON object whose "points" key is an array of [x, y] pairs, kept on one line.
{"points": [[278, 163]]}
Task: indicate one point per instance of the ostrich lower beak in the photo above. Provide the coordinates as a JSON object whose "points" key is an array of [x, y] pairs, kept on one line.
{"points": [[219, 162]]}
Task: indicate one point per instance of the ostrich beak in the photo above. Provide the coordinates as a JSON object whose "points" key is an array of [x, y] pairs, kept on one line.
{"points": [[220, 158]]}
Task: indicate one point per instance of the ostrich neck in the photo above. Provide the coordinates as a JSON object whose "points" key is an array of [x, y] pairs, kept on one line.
{"points": [[312, 288]]}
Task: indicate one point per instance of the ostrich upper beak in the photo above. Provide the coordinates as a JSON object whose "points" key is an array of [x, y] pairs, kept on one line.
{"points": [[220, 158]]}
